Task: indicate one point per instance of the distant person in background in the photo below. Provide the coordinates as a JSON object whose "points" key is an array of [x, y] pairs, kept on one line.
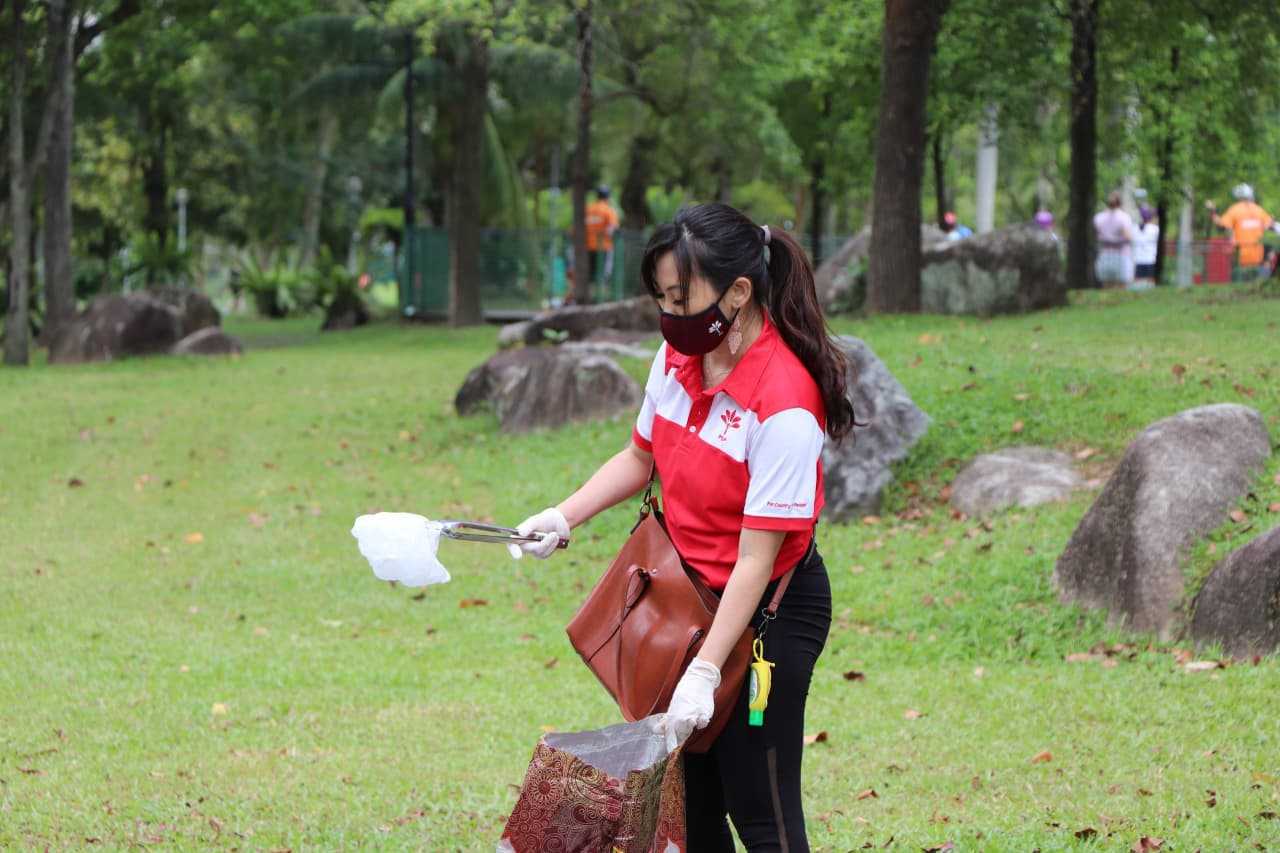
{"points": [[1246, 220], [1115, 235], [955, 231], [1044, 221], [1146, 242], [601, 221]]}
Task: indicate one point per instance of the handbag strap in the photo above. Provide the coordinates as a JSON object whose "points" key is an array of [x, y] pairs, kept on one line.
{"points": [[770, 612]]}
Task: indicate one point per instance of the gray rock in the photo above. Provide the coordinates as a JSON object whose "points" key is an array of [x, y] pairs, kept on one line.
{"points": [[117, 325], [210, 340], [547, 387], [1239, 604], [1014, 476], [479, 390], [841, 278], [195, 309], [613, 349], [577, 322], [1009, 270], [856, 472], [1174, 483]]}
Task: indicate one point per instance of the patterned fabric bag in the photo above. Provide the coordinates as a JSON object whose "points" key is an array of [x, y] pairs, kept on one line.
{"points": [[611, 790]]}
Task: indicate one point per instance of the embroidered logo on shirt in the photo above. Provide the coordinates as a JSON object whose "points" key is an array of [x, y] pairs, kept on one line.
{"points": [[731, 420]]}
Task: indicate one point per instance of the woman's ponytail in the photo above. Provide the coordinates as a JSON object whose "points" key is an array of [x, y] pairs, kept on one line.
{"points": [[793, 307]]}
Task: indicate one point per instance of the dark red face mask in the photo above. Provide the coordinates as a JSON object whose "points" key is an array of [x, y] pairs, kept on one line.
{"points": [[695, 334]]}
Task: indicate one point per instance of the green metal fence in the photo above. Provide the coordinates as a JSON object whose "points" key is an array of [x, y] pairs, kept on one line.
{"points": [[521, 270]]}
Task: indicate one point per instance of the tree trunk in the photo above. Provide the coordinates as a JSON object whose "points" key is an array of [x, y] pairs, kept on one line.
{"points": [[155, 182], [16, 330], [59, 294], [465, 308], [817, 201], [939, 179], [1168, 145], [635, 205], [314, 203], [582, 158], [1084, 143], [910, 35]]}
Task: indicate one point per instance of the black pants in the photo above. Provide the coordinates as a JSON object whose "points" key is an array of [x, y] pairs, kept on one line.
{"points": [[752, 773]]}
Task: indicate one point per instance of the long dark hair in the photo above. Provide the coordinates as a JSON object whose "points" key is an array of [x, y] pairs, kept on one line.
{"points": [[720, 243]]}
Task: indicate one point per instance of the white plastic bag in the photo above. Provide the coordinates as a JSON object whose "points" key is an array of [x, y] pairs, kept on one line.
{"points": [[401, 546]]}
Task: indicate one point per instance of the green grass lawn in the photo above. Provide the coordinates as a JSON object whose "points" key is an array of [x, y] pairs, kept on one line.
{"points": [[195, 656]]}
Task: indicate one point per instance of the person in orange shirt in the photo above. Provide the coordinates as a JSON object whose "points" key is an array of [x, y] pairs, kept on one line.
{"points": [[1246, 220], [601, 221]]}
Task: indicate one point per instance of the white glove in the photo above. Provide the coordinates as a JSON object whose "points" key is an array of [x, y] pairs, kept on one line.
{"points": [[692, 703], [552, 526]]}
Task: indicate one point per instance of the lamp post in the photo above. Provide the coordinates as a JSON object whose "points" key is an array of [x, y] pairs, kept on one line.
{"points": [[182, 197]]}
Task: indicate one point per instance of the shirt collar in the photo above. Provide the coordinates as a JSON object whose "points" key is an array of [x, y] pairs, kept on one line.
{"points": [[741, 382]]}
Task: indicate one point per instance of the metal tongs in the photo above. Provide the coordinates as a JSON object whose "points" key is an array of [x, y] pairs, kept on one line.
{"points": [[476, 531]]}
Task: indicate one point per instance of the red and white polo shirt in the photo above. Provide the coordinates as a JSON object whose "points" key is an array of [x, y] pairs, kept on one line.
{"points": [[744, 453]]}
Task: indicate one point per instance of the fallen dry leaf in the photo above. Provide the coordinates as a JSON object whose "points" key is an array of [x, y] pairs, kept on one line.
{"points": [[1017, 426], [472, 602], [1086, 833], [220, 709], [1238, 516], [912, 714], [1086, 453], [1042, 757], [868, 794], [194, 538], [820, 737], [941, 848], [1021, 397], [1178, 373], [1275, 507], [1203, 665], [854, 675], [551, 663], [1146, 843], [75, 483], [256, 520]]}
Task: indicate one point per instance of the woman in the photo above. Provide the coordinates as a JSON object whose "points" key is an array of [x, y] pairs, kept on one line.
{"points": [[735, 410]]}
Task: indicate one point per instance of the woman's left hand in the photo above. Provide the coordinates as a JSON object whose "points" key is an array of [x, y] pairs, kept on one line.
{"points": [[693, 702]]}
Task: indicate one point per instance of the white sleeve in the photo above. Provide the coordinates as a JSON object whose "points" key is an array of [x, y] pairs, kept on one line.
{"points": [[652, 388], [782, 461]]}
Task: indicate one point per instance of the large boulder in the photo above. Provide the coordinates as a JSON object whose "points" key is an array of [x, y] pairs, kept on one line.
{"points": [[141, 323], [210, 340], [1239, 605], [856, 471], [1014, 476], [1009, 270], [548, 387], [196, 311], [117, 325], [1174, 483], [577, 322], [841, 278]]}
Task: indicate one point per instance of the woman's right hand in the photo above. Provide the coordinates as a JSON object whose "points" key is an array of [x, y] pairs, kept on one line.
{"points": [[551, 526]]}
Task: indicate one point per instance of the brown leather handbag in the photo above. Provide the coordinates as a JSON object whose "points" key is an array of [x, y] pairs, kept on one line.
{"points": [[644, 622]]}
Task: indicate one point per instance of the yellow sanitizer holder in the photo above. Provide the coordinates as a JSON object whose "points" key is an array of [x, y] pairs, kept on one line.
{"points": [[758, 691]]}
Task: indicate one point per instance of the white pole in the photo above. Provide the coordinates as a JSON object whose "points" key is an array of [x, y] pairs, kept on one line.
{"points": [[1184, 238], [988, 157], [183, 197]]}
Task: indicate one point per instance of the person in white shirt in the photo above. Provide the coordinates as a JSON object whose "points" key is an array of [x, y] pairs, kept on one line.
{"points": [[1146, 240]]}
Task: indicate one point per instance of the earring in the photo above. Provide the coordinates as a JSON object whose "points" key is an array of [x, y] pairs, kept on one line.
{"points": [[735, 334]]}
